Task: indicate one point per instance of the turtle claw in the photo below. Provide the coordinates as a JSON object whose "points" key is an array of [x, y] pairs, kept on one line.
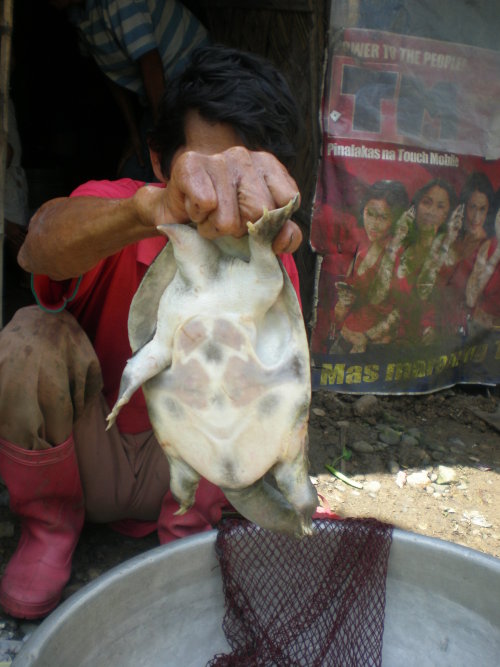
{"points": [[268, 226], [111, 418]]}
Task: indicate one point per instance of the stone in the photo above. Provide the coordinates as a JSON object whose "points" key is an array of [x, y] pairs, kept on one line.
{"points": [[436, 446], [445, 475], [362, 447], [424, 457], [418, 479], [367, 405], [414, 433], [477, 519], [409, 441], [401, 479], [457, 442], [389, 435], [393, 467], [373, 486]]}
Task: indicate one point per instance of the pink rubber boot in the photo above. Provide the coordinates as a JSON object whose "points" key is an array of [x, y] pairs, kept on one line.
{"points": [[46, 493]]}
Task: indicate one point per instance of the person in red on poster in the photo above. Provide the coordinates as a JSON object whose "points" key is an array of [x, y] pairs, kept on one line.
{"points": [[363, 313], [478, 225], [336, 236], [426, 251], [482, 291]]}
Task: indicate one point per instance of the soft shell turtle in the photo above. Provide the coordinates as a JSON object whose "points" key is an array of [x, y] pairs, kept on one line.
{"points": [[221, 351]]}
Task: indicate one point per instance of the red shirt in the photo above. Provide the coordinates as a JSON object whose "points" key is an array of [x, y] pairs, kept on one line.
{"points": [[100, 301], [490, 297]]}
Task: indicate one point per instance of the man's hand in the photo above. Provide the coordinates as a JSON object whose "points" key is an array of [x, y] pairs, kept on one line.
{"points": [[222, 192]]}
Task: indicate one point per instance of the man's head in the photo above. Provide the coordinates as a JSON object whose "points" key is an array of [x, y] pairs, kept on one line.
{"points": [[239, 89]]}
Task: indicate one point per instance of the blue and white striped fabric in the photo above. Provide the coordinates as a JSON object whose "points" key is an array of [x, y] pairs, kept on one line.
{"points": [[118, 32]]}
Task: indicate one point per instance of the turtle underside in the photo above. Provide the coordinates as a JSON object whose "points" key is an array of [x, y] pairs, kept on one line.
{"points": [[221, 352]]}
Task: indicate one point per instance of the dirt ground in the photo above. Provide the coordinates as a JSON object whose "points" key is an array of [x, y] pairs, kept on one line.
{"points": [[427, 464]]}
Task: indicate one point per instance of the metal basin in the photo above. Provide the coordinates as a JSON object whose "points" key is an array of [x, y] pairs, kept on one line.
{"points": [[164, 608]]}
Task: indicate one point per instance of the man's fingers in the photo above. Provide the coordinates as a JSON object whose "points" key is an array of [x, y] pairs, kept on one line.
{"points": [[191, 191], [247, 179], [204, 188], [288, 239], [225, 219], [222, 192], [281, 186]]}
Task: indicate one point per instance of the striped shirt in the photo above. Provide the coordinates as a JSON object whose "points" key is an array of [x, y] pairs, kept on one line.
{"points": [[118, 32]]}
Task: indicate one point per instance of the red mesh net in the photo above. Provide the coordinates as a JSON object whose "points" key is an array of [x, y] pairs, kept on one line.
{"points": [[311, 602]]}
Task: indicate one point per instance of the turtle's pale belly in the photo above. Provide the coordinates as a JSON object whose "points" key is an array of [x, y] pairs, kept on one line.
{"points": [[223, 410], [221, 352]]}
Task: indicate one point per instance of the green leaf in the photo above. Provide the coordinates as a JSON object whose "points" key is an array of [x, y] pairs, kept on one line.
{"points": [[346, 454], [343, 478]]}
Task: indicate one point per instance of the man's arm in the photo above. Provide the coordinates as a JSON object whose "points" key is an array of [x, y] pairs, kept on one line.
{"points": [[68, 236], [220, 193]]}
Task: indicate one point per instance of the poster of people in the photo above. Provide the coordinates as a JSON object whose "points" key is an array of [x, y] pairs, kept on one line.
{"points": [[406, 218]]}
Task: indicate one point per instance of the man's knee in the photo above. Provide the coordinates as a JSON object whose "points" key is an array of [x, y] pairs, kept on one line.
{"points": [[39, 329], [48, 373], [36, 343]]}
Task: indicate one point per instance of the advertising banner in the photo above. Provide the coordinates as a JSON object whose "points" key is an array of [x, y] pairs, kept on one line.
{"points": [[405, 217]]}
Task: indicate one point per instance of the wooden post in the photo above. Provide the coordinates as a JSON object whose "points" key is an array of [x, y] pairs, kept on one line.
{"points": [[6, 8]]}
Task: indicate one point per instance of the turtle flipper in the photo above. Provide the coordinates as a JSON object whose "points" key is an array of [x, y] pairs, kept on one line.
{"points": [[267, 507], [267, 227], [145, 364], [183, 483], [295, 484]]}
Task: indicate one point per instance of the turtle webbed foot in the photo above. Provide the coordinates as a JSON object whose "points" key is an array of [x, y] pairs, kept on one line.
{"points": [[268, 226]]}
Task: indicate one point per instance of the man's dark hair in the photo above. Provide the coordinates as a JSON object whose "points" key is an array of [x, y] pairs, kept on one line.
{"points": [[229, 86]]}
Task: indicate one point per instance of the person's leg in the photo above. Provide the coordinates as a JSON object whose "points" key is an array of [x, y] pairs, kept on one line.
{"points": [[48, 374], [126, 480], [123, 476]]}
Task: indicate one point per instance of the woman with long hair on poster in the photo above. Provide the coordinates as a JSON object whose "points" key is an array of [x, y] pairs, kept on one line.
{"points": [[482, 291], [477, 197], [426, 252], [363, 314]]}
